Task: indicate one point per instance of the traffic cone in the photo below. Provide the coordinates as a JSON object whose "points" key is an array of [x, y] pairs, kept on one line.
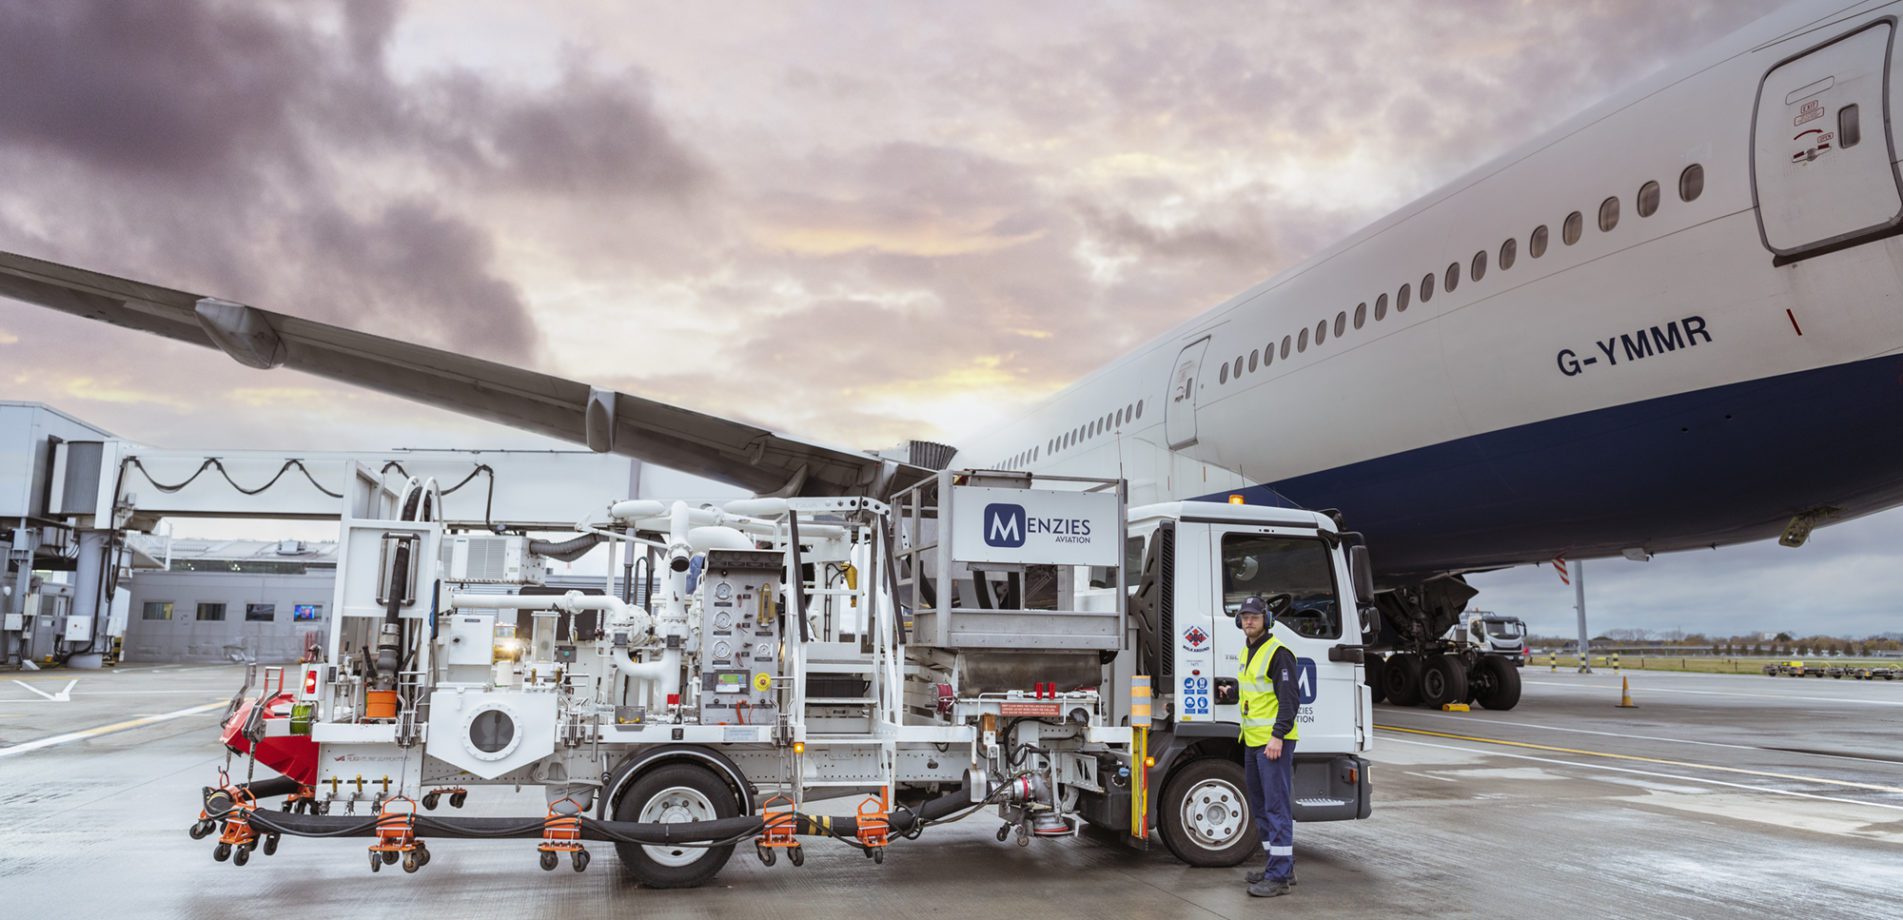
{"points": [[1625, 694]]}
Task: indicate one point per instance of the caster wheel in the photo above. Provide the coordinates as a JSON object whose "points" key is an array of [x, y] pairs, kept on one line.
{"points": [[271, 845], [390, 857], [221, 852], [765, 853], [422, 855], [376, 862], [796, 855], [580, 860], [430, 800], [1024, 835], [202, 829], [456, 799], [289, 806], [1004, 831], [549, 860], [411, 863], [878, 855], [241, 856]]}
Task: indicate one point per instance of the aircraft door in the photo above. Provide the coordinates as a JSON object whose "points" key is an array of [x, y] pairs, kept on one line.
{"points": [[1822, 167], [1179, 413]]}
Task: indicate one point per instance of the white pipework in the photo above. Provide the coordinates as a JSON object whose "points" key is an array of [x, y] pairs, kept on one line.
{"points": [[628, 617]]}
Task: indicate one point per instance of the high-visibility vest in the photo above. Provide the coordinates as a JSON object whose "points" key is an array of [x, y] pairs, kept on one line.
{"points": [[1259, 705]]}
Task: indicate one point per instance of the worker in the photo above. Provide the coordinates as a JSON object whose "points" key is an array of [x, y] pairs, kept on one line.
{"points": [[1269, 702]]}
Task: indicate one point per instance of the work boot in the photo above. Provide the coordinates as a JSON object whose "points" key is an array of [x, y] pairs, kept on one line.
{"points": [[1256, 876], [1268, 888]]}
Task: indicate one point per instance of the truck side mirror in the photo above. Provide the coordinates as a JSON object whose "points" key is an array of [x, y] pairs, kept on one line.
{"points": [[1363, 572]]}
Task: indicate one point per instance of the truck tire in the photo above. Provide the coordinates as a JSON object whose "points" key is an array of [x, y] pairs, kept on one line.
{"points": [[1401, 676], [1203, 816], [1443, 681], [1498, 683], [669, 793], [1373, 669]]}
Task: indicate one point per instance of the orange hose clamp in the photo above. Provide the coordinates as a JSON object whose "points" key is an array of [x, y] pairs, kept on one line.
{"points": [[380, 704]]}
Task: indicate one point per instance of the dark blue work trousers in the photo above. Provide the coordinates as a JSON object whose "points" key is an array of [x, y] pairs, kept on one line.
{"points": [[1270, 786]]}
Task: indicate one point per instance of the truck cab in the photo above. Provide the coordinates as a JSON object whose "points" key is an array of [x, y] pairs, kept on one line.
{"points": [[1191, 565], [1491, 633]]}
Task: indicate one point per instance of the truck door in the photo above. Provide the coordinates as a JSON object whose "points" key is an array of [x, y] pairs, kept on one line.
{"points": [[1295, 570], [1179, 413], [1821, 164]]}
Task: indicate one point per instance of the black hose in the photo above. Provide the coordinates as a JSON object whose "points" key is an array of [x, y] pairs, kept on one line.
{"points": [[566, 550]]}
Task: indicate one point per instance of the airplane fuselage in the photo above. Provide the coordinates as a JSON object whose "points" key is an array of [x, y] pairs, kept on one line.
{"points": [[1673, 321]]}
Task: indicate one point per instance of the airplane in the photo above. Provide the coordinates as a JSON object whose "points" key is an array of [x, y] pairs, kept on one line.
{"points": [[1672, 321]]}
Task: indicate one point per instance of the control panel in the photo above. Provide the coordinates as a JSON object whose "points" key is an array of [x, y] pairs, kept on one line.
{"points": [[740, 637]]}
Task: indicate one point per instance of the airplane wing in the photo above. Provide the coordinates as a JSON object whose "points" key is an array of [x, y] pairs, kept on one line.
{"points": [[745, 455]]}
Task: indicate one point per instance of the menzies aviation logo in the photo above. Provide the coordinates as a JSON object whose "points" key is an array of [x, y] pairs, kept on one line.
{"points": [[1004, 525]]}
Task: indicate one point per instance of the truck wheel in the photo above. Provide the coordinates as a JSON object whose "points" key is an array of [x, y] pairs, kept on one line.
{"points": [[1443, 680], [1203, 815], [667, 794], [1498, 683], [1372, 671], [1402, 677]]}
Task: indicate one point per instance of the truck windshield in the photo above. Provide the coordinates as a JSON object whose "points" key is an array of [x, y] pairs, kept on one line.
{"points": [[1270, 565], [1506, 629]]}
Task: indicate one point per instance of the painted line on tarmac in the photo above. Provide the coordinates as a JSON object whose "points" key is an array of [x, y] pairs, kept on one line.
{"points": [[1755, 696], [1718, 744], [1873, 787], [1652, 773], [115, 727]]}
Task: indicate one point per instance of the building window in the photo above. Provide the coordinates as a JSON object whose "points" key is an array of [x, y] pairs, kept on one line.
{"points": [[1427, 287], [260, 613], [1453, 276], [1575, 223], [1400, 300], [1648, 200], [1608, 214], [1536, 245], [211, 613], [1301, 343], [1254, 358], [1285, 345], [1849, 132], [1361, 314], [157, 610], [307, 612], [1508, 250], [1478, 269], [1381, 308], [1691, 183], [1341, 323]]}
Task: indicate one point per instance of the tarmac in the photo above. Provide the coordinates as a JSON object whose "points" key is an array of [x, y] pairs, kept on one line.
{"points": [[1717, 796]]}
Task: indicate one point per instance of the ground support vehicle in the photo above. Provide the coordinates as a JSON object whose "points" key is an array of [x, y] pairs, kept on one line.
{"points": [[1476, 660], [968, 647]]}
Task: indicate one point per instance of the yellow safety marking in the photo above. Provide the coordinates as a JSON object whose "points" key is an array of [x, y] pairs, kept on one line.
{"points": [[1874, 787], [39, 743]]}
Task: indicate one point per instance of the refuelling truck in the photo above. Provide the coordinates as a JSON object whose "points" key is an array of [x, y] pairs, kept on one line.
{"points": [[989, 641]]}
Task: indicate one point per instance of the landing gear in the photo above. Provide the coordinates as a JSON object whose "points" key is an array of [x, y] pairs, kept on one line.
{"points": [[1496, 683], [1373, 670], [1402, 676], [1443, 681]]}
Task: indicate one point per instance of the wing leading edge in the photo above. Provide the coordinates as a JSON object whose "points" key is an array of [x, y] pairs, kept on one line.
{"points": [[745, 455]]}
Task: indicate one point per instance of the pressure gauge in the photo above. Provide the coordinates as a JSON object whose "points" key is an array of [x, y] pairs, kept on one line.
{"points": [[722, 651], [723, 619], [723, 591], [763, 652]]}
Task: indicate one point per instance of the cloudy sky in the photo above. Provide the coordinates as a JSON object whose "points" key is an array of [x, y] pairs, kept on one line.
{"points": [[966, 205]]}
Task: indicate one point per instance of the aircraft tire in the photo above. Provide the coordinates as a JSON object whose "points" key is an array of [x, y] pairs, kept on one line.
{"points": [[1401, 677]]}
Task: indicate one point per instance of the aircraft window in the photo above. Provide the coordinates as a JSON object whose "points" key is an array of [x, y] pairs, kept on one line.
{"points": [[1427, 287], [1254, 356], [1508, 250], [1536, 244], [1321, 332], [1575, 222], [1341, 323], [1237, 373], [1285, 344], [1130, 412], [1301, 344], [1453, 277], [1648, 201], [1608, 214], [1119, 418], [1222, 376], [1380, 308], [1361, 314], [1849, 132], [1479, 268], [1139, 408], [1400, 300], [1691, 183]]}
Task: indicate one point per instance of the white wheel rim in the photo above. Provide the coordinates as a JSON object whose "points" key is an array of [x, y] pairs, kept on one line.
{"points": [[674, 805], [1215, 814]]}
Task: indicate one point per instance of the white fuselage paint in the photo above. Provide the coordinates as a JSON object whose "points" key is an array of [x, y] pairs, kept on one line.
{"points": [[1490, 355]]}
